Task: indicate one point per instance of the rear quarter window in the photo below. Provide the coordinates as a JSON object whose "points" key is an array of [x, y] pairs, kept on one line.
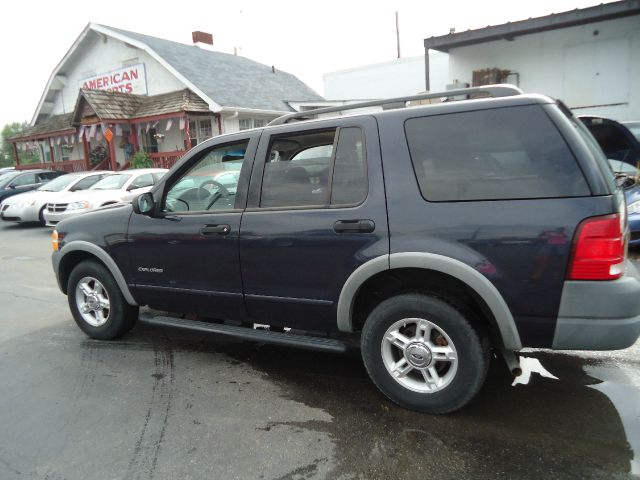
{"points": [[497, 154]]}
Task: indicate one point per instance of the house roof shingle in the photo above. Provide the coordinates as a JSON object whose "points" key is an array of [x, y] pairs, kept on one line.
{"points": [[55, 123], [118, 106], [229, 80], [127, 106]]}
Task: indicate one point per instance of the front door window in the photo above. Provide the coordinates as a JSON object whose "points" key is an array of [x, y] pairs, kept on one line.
{"points": [[210, 184]]}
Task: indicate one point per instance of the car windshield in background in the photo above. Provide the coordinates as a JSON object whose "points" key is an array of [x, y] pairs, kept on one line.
{"points": [[634, 128], [618, 166], [112, 182], [59, 183], [7, 177]]}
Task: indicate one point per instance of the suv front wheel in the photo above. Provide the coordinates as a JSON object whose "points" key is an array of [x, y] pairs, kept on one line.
{"points": [[97, 304], [423, 353]]}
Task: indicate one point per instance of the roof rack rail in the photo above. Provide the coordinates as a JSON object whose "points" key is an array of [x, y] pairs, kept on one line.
{"points": [[498, 90]]}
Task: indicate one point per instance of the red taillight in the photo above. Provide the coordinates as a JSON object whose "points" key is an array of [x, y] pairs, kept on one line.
{"points": [[598, 249]]}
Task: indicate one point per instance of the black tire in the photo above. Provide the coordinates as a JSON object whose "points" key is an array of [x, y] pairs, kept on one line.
{"points": [[121, 316], [41, 219], [471, 347]]}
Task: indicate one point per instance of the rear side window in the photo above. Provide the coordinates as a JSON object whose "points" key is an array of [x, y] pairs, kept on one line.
{"points": [[498, 154], [315, 169]]}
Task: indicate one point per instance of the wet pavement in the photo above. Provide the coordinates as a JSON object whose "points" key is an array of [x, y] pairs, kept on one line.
{"points": [[165, 404]]}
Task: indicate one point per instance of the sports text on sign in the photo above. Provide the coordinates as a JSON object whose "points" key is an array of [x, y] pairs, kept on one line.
{"points": [[131, 79]]}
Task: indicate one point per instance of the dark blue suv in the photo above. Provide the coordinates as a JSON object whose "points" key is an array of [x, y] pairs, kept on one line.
{"points": [[429, 235]]}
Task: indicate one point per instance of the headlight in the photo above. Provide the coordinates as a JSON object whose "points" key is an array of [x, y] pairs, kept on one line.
{"points": [[633, 208], [78, 205]]}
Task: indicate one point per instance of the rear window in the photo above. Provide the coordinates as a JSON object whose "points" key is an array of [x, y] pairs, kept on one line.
{"points": [[498, 154]]}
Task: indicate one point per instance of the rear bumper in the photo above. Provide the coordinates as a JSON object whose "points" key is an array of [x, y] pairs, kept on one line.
{"points": [[599, 315]]}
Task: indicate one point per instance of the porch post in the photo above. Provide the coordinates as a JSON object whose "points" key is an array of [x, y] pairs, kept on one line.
{"points": [[134, 132], [219, 122], [112, 155], [51, 154], [85, 147], [15, 152], [187, 133]]}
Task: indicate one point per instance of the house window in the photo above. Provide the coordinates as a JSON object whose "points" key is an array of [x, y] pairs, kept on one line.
{"points": [[62, 151], [200, 129], [247, 123]]}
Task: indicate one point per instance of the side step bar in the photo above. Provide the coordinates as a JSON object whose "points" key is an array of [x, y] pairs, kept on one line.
{"points": [[245, 333]]}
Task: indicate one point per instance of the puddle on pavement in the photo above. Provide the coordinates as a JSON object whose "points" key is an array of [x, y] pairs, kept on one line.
{"points": [[557, 420], [626, 399], [565, 417]]}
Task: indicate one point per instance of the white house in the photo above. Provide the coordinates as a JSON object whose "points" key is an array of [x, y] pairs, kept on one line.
{"points": [[116, 92], [589, 58], [395, 78]]}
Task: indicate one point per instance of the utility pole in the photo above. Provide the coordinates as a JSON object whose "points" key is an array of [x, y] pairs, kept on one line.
{"points": [[398, 34]]}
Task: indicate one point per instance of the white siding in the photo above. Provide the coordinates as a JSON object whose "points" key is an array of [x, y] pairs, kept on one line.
{"points": [[573, 64], [401, 77], [101, 55]]}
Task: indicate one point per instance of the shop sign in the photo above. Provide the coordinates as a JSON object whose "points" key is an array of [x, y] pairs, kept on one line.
{"points": [[131, 79]]}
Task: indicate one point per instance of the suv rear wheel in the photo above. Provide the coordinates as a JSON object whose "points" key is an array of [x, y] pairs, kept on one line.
{"points": [[424, 354], [97, 304]]}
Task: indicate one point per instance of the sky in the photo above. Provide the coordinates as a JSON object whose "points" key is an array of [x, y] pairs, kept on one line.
{"points": [[305, 37]]}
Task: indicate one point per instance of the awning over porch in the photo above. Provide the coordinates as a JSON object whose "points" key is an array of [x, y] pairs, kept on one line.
{"points": [[57, 124], [103, 108], [117, 106]]}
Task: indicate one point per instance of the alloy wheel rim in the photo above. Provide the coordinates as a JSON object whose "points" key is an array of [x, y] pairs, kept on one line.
{"points": [[92, 301], [419, 355]]}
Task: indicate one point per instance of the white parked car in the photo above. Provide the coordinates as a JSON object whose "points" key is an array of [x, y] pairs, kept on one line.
{"points": [[118, 187], [30, 206]]}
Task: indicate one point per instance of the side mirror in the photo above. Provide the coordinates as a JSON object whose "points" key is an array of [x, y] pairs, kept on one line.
{"points": [[144, 204], [11, 187]]}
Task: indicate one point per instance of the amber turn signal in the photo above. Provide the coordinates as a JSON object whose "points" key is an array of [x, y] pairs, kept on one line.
{"points": [[54, 241]]}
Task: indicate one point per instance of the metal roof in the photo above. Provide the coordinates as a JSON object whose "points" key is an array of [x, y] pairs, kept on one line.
{"points": [[229, 80], [510, 30]]}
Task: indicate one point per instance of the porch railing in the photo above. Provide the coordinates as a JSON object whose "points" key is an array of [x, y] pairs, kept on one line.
{"points": [[65, 166], [103, 165], [166, 159]]}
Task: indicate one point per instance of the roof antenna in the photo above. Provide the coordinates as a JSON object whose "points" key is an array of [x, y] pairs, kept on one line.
{"points": [[273, 69]]}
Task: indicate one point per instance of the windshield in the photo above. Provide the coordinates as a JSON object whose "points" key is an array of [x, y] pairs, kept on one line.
{"points": [[6, 178], [634, 128], [59, 183], [112, 182]]}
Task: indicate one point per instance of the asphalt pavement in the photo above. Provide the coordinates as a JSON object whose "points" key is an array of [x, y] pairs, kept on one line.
{"points": [[165, 404]]}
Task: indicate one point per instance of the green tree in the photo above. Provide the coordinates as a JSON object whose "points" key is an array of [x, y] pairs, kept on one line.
{"points": [[7, 154]]}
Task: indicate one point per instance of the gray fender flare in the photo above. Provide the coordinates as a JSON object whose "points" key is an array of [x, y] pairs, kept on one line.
{"points": [[430, 261], [96, 251]]}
